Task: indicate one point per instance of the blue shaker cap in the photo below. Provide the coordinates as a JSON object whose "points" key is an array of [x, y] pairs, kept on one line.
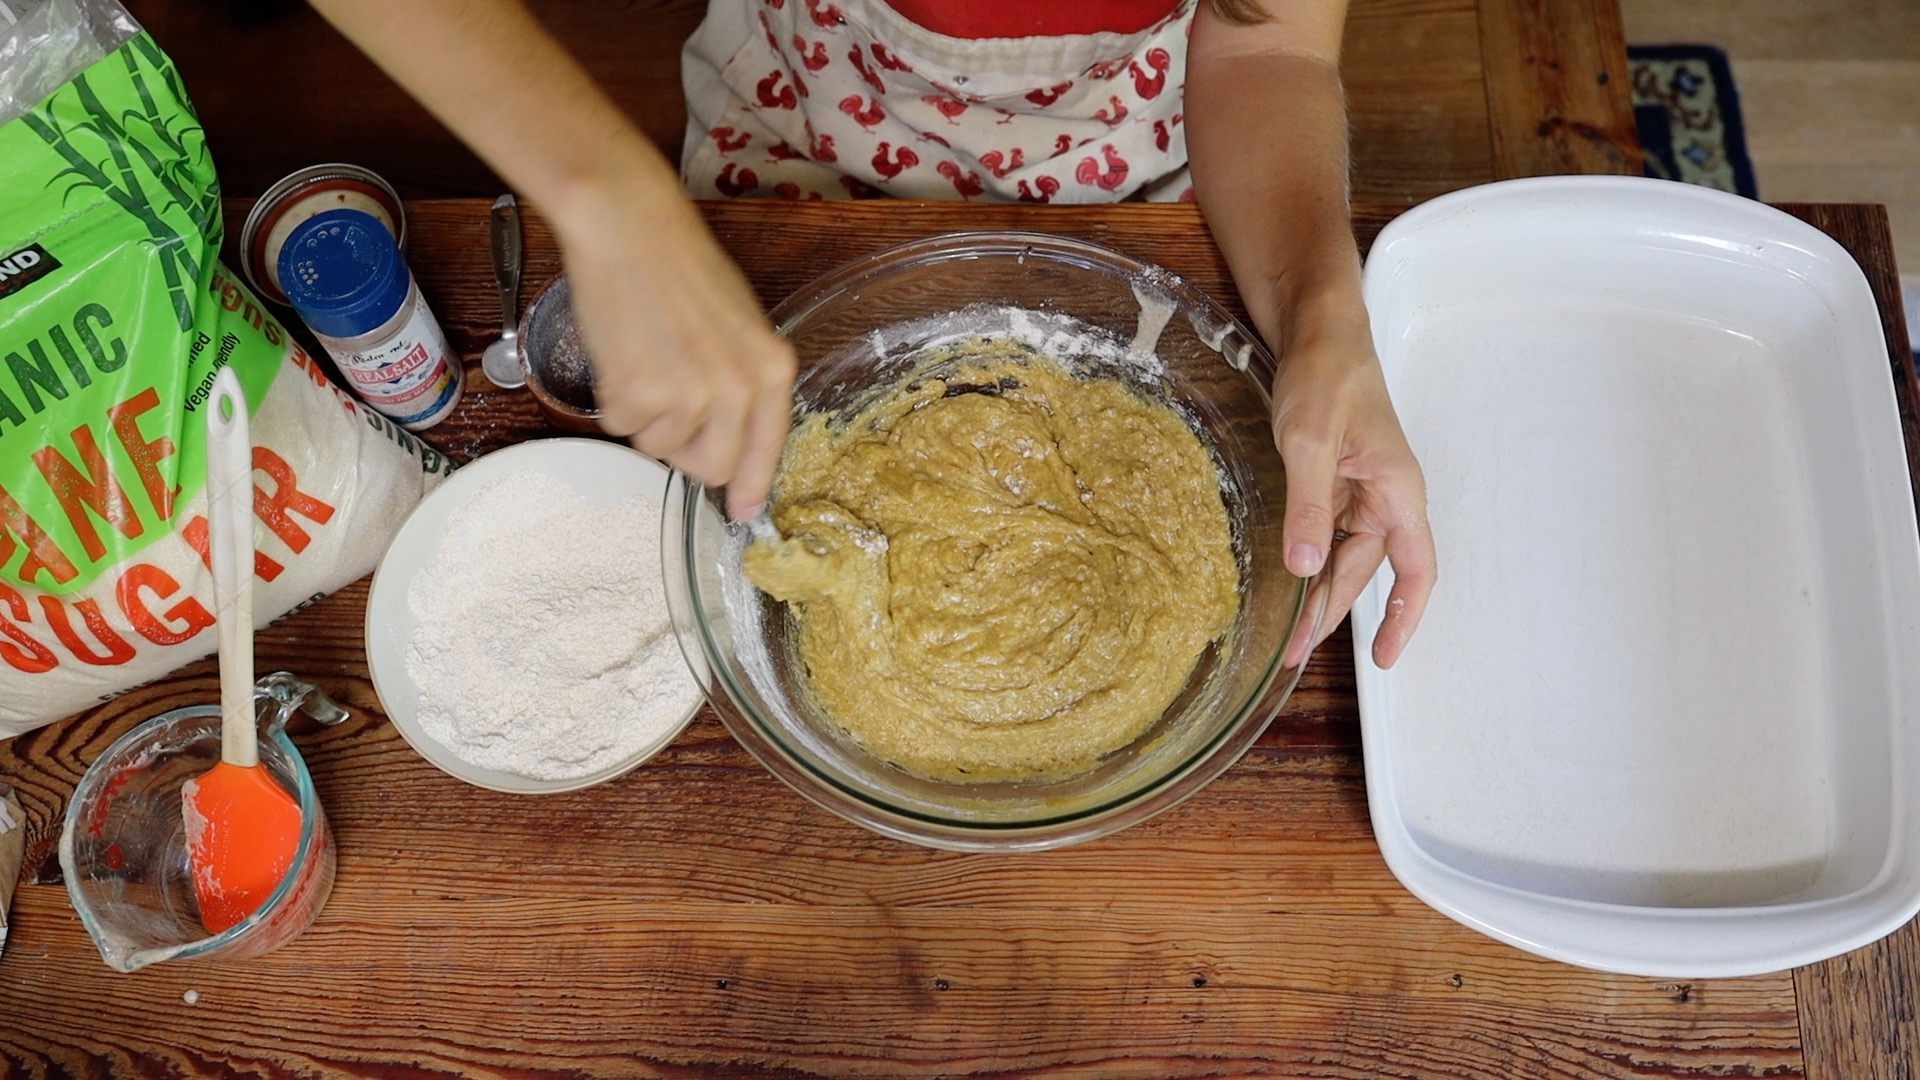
{"points": [[343, 273]]}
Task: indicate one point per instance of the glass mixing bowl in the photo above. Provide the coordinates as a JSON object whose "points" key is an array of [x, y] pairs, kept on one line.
{"points": [[857, 329]]}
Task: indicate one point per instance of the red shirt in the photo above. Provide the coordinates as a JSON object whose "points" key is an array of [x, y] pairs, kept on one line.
{"points": [[1032, 18]]}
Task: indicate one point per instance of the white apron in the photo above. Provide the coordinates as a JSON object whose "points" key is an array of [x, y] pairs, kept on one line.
{"points": [[810, 99]]}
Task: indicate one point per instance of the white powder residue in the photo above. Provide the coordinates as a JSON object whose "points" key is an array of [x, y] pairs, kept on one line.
{"points": [[1215, 337], [1063, 337], [1071, 341], [544, 648], [1155, 312]]}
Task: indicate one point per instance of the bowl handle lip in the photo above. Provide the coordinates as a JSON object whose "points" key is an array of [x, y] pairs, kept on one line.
{"points": [[278, 697]]}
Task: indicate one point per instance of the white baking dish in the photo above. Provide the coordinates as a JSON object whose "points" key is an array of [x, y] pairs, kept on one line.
{"points": [[1659, 718]]}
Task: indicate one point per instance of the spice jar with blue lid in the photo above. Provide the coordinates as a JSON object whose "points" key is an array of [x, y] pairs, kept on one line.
{"points": [[344, 274]]}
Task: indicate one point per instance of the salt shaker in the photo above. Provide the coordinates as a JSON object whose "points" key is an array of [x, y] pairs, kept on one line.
{"points": [[344, 274]]}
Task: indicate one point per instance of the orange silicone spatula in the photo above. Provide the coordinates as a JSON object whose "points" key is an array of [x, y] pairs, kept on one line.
{"points": [[243, 827]]}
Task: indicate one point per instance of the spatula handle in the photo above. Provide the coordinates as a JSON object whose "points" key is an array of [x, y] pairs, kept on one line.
{"points": [[230, 515]]}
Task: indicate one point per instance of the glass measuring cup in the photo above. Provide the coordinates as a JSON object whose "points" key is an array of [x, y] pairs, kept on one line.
{"points": [[123, 850]]}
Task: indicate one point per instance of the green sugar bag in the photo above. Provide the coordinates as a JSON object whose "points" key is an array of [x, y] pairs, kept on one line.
{"points": [[115, 314]]}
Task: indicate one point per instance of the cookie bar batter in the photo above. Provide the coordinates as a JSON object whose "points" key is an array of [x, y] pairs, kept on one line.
{"points": [[1005, 572]]}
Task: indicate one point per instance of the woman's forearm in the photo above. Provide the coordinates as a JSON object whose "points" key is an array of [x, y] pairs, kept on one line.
{"points": [[684, 360], [498, 80], [1267, 139]]}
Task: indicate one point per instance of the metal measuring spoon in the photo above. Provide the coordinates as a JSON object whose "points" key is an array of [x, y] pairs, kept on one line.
{"points": [[501, 362]]}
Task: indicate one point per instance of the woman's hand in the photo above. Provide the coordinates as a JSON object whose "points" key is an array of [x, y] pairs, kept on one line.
{"points": [[685, 362], [1349, 469], [1266, 131]]}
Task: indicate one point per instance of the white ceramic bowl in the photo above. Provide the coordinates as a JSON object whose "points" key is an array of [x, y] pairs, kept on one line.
{"points": [[599, 472]]}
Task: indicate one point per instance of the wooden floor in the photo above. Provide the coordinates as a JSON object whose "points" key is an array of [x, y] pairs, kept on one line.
{"points": [[1830, 92]]}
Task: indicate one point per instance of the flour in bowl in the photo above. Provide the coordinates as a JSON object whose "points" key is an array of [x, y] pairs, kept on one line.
{"points": [[543, 647]]}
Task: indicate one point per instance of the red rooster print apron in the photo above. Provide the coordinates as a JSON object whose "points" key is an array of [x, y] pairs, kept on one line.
{"points": [[836, 99]]}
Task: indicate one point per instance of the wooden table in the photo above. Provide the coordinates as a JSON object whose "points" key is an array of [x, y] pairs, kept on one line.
{"points": [[1443, 93], [698, 918]]}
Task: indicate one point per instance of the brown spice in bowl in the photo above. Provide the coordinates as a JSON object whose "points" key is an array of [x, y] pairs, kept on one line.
{"points": [[558, 367]]}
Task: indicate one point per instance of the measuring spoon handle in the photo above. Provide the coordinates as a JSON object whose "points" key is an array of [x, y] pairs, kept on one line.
{"points": [[505, 229]]}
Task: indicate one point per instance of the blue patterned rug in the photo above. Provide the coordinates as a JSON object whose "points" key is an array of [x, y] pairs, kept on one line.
{"points": [[1688, 112]]}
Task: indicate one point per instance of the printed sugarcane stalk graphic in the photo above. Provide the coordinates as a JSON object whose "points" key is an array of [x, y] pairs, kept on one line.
{"points": [[178, 266], [120, 139], [161, 66], [182, 171]]}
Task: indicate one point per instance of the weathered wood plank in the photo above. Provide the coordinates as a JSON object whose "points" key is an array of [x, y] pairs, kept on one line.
{"points": [[1417, 84], [1858, 1011], [513, 983], [1556, 73]]}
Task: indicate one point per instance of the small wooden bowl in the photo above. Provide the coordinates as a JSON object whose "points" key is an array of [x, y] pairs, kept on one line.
{"points": [[559, 371]]}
